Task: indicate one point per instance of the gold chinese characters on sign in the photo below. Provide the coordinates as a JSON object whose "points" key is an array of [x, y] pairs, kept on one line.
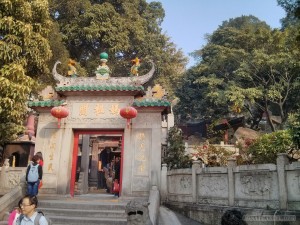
{"points": [[95, 110], [52, 147], [140, 156], [83, 109], [99, 109]]}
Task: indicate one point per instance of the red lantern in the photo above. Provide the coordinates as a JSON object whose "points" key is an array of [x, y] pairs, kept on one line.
{"points": [[59, 112], [128, 113]]}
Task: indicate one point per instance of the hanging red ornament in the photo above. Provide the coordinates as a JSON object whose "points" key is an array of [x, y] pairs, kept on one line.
{"points": [[128, 113], [59, 112]]}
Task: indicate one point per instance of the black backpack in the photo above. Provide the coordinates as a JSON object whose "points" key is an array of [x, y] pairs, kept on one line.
{"points": [[36, 220]]}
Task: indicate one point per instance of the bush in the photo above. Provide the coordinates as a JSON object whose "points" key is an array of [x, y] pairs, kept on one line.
{"points": [[266, 147]]}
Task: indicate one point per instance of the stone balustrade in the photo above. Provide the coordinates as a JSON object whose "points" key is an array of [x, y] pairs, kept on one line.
{"points": [[264, 186]]}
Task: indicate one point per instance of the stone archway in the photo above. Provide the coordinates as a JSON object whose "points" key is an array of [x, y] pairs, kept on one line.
{"points": [[93, 152]]}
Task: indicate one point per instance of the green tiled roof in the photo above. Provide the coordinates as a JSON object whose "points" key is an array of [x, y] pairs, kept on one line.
{"points": [[151, 102], [47, 103], [100, 88]]}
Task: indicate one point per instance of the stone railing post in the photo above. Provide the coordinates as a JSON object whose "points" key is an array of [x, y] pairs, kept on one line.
{"points": [[196, 165], [164, 183], [281, 161], [231, 189]]}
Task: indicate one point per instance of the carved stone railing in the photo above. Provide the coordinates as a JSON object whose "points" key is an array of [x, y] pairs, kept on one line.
{"points": [[264, 186], [12, 188], [10, 177]]}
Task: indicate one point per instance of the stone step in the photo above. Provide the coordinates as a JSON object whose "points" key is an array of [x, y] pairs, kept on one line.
{"points": [[60, 204], [86, 220], [83, 213]]}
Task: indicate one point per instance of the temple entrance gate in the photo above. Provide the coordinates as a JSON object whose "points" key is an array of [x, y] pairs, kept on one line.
{"points": [[94, 106]]}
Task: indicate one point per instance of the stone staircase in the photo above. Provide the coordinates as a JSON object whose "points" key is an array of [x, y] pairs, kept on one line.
{"points": [[90, 209]]}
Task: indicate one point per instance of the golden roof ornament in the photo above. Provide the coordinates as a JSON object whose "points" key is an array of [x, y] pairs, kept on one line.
{"points": [[72, 72], [134, 71]]}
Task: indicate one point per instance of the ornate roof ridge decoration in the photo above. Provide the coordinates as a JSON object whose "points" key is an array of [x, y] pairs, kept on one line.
{"points": [[47, 103], [102, 87], [79, 81]]}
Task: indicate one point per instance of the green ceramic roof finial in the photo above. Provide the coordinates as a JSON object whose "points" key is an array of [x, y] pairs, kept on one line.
{"points": [[103, 71], [103, 57]]}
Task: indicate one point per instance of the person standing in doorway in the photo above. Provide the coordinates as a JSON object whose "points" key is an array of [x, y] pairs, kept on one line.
{"points": [[34, 176], [117, 174], [101, 177], [105, 157]]}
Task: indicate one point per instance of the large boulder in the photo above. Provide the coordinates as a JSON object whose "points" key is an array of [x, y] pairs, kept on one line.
{"points": [[243, 134]]}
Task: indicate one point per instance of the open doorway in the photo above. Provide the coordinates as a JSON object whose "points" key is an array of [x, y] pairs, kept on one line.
{"points": [[97, 161]]}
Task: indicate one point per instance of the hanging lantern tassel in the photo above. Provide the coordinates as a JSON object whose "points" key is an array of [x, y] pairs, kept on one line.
{"points": [[128, 123], [59, 112], [128, 113], [58, 122]]}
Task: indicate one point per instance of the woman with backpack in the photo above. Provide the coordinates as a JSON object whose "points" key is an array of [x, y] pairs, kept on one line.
{"points": [[34, 176], [30, 216]]}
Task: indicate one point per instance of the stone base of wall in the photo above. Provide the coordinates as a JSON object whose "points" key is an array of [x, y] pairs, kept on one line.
{"points": [[211, 215]]}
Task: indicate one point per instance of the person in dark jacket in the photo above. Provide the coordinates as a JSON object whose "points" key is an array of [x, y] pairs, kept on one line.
{"points": [[34, 175]]}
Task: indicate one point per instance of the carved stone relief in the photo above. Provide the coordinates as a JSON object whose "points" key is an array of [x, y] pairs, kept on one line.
{"points": [[213, 185], [256, 184], [185, 182], [13, 179]]}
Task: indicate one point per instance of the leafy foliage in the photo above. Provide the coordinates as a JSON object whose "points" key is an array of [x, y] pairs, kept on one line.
{"points": [[246, 68], [24, 51], [292, 8], [125, 30], [294, 126], [266, 148], [176, 157]]}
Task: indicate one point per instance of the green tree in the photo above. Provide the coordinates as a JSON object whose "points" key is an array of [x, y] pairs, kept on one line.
{"points": [[249, 68], [176, 157], [193, 103], [24, 53], [124, 29], [292, 9]]}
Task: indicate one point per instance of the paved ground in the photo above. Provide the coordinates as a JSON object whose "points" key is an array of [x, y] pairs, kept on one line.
{"points": [[168, 217]]}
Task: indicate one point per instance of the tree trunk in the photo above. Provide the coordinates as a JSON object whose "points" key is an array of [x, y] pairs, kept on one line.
{"points": [[268, 115]]}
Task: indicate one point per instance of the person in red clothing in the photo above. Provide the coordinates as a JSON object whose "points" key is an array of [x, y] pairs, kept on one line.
{"points": [[14, 215]]}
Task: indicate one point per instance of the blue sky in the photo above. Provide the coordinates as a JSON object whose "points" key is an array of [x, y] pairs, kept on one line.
{"points": [[187, 22]]}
